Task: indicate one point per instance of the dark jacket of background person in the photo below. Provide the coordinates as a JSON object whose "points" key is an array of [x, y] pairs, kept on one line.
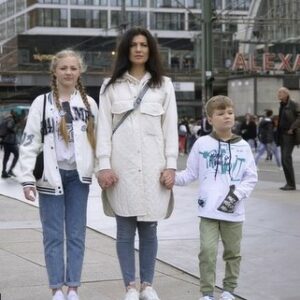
{"points": [[11, 133], [265, 131], [289, 118], [248, 130]]}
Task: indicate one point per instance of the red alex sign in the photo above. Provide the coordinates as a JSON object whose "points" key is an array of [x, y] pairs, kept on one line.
{"points": [[270, 61]]}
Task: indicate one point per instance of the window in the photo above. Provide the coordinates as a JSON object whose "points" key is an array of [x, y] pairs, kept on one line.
{"points": [[194, 22], [48, 17], [133, 18], [53, 1], [194, 4], [20, 5], [2, 11], [238, 4], [11, 28], [167, 21], [10, 8], [88, 18], [168, 3], [2, 32], [24, 56], [20, 24], [89, 2], [129, 3]]}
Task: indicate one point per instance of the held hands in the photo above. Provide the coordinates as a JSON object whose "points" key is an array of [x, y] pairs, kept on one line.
{"points": [[167, 178], [229, 203], [106, 178], [30, 193]]}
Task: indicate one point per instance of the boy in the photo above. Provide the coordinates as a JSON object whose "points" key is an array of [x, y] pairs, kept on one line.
{"points": [[224, 165]]}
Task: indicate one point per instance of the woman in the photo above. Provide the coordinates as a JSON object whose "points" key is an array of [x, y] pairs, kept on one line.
{"points": [[132, 159], [69, 146]]}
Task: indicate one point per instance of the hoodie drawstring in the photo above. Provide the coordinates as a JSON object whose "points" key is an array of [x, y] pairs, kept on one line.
{"points": [[229, 167], [218, 158]]}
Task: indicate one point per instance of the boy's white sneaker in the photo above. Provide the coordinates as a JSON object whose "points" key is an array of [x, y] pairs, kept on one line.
{"points": [[227, 296], [149, 294], [132, 294], [72, 295], [59, 295], [207, 298]]}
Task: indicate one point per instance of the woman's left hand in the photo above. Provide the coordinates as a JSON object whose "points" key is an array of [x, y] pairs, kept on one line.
{"points": [[167, 178], [106, 178]]}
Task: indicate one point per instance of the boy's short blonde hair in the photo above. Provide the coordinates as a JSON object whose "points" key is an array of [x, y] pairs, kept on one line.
{"points": [[217, 102]]}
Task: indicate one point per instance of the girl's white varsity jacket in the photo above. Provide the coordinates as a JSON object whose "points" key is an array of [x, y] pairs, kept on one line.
{"points": [[31, 145]]}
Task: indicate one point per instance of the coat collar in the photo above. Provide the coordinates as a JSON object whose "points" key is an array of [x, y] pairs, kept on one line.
{"points": [[130, 78]]}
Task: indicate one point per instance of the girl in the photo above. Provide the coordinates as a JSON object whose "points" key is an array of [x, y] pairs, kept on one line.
{"points": [[69, 144]]}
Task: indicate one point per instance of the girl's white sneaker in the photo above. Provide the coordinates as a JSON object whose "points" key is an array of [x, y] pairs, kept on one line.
{"points": [[132, 294], [59, 295], [149, 294], [72, 295]]}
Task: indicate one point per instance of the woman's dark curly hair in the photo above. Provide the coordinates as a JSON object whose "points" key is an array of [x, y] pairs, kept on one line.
{"points": [[123, 64]]}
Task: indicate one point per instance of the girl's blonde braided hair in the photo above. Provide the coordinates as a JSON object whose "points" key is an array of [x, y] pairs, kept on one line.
{"points": [[80, 87]]}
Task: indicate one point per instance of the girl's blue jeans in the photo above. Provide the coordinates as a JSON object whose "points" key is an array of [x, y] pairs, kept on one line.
{"points": [[64, 215], [126, 228]]}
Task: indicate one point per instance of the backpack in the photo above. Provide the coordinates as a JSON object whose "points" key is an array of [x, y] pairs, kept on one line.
{"points": [[3, 129]]}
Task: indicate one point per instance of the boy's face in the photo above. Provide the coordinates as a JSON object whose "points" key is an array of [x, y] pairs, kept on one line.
{"points": [[222, 120]]}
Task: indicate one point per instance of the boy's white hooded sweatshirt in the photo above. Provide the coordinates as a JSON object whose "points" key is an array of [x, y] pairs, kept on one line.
{"points": [[217, 165]]}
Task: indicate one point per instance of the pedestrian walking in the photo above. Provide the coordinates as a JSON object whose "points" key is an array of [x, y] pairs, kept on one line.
{"points": [[10, 144], [288, 123], [266, 138], [249, 130], [137, 141], [224, 165], [69, 151]]}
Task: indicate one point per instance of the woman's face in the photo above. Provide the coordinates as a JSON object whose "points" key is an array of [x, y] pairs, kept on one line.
{"points": [[139, 51], [67, 72]]}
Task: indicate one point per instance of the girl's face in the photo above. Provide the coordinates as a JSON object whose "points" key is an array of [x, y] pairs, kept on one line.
{"points": [[222, 119], [139, 51], [67, 72]]}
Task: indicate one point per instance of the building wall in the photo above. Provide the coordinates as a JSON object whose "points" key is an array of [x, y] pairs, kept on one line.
{"points": [[267, 94], [241, 91], [255, 94]]}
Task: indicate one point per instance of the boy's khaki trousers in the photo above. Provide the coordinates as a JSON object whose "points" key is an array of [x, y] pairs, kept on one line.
{"points": [[231, 234]]}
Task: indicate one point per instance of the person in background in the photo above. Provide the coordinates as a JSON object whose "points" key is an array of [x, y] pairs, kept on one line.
{"points": [[288, 122], [205, 126], [10, 145], [183, 134], [224, 165], [249, 130], [194, 126], [266, 138], [135, 157], [69, 155]]}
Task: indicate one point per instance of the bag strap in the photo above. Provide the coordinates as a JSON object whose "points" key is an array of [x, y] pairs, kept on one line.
{"points": [[43, 129], [135, 105]]}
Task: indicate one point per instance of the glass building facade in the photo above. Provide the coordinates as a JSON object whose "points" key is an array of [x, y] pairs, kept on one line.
{"points": [[33, 30]]}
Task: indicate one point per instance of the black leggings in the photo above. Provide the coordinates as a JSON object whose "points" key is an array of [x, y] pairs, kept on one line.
{"points": [[8, 149]]}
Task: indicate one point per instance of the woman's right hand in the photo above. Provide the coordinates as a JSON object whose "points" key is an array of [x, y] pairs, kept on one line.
{"points": [[30, 193], [106, 178]]}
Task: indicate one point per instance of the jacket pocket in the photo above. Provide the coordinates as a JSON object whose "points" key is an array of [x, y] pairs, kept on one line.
{"points": [[151, 118], [152, 109], [118, 110], [121, 107]]}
